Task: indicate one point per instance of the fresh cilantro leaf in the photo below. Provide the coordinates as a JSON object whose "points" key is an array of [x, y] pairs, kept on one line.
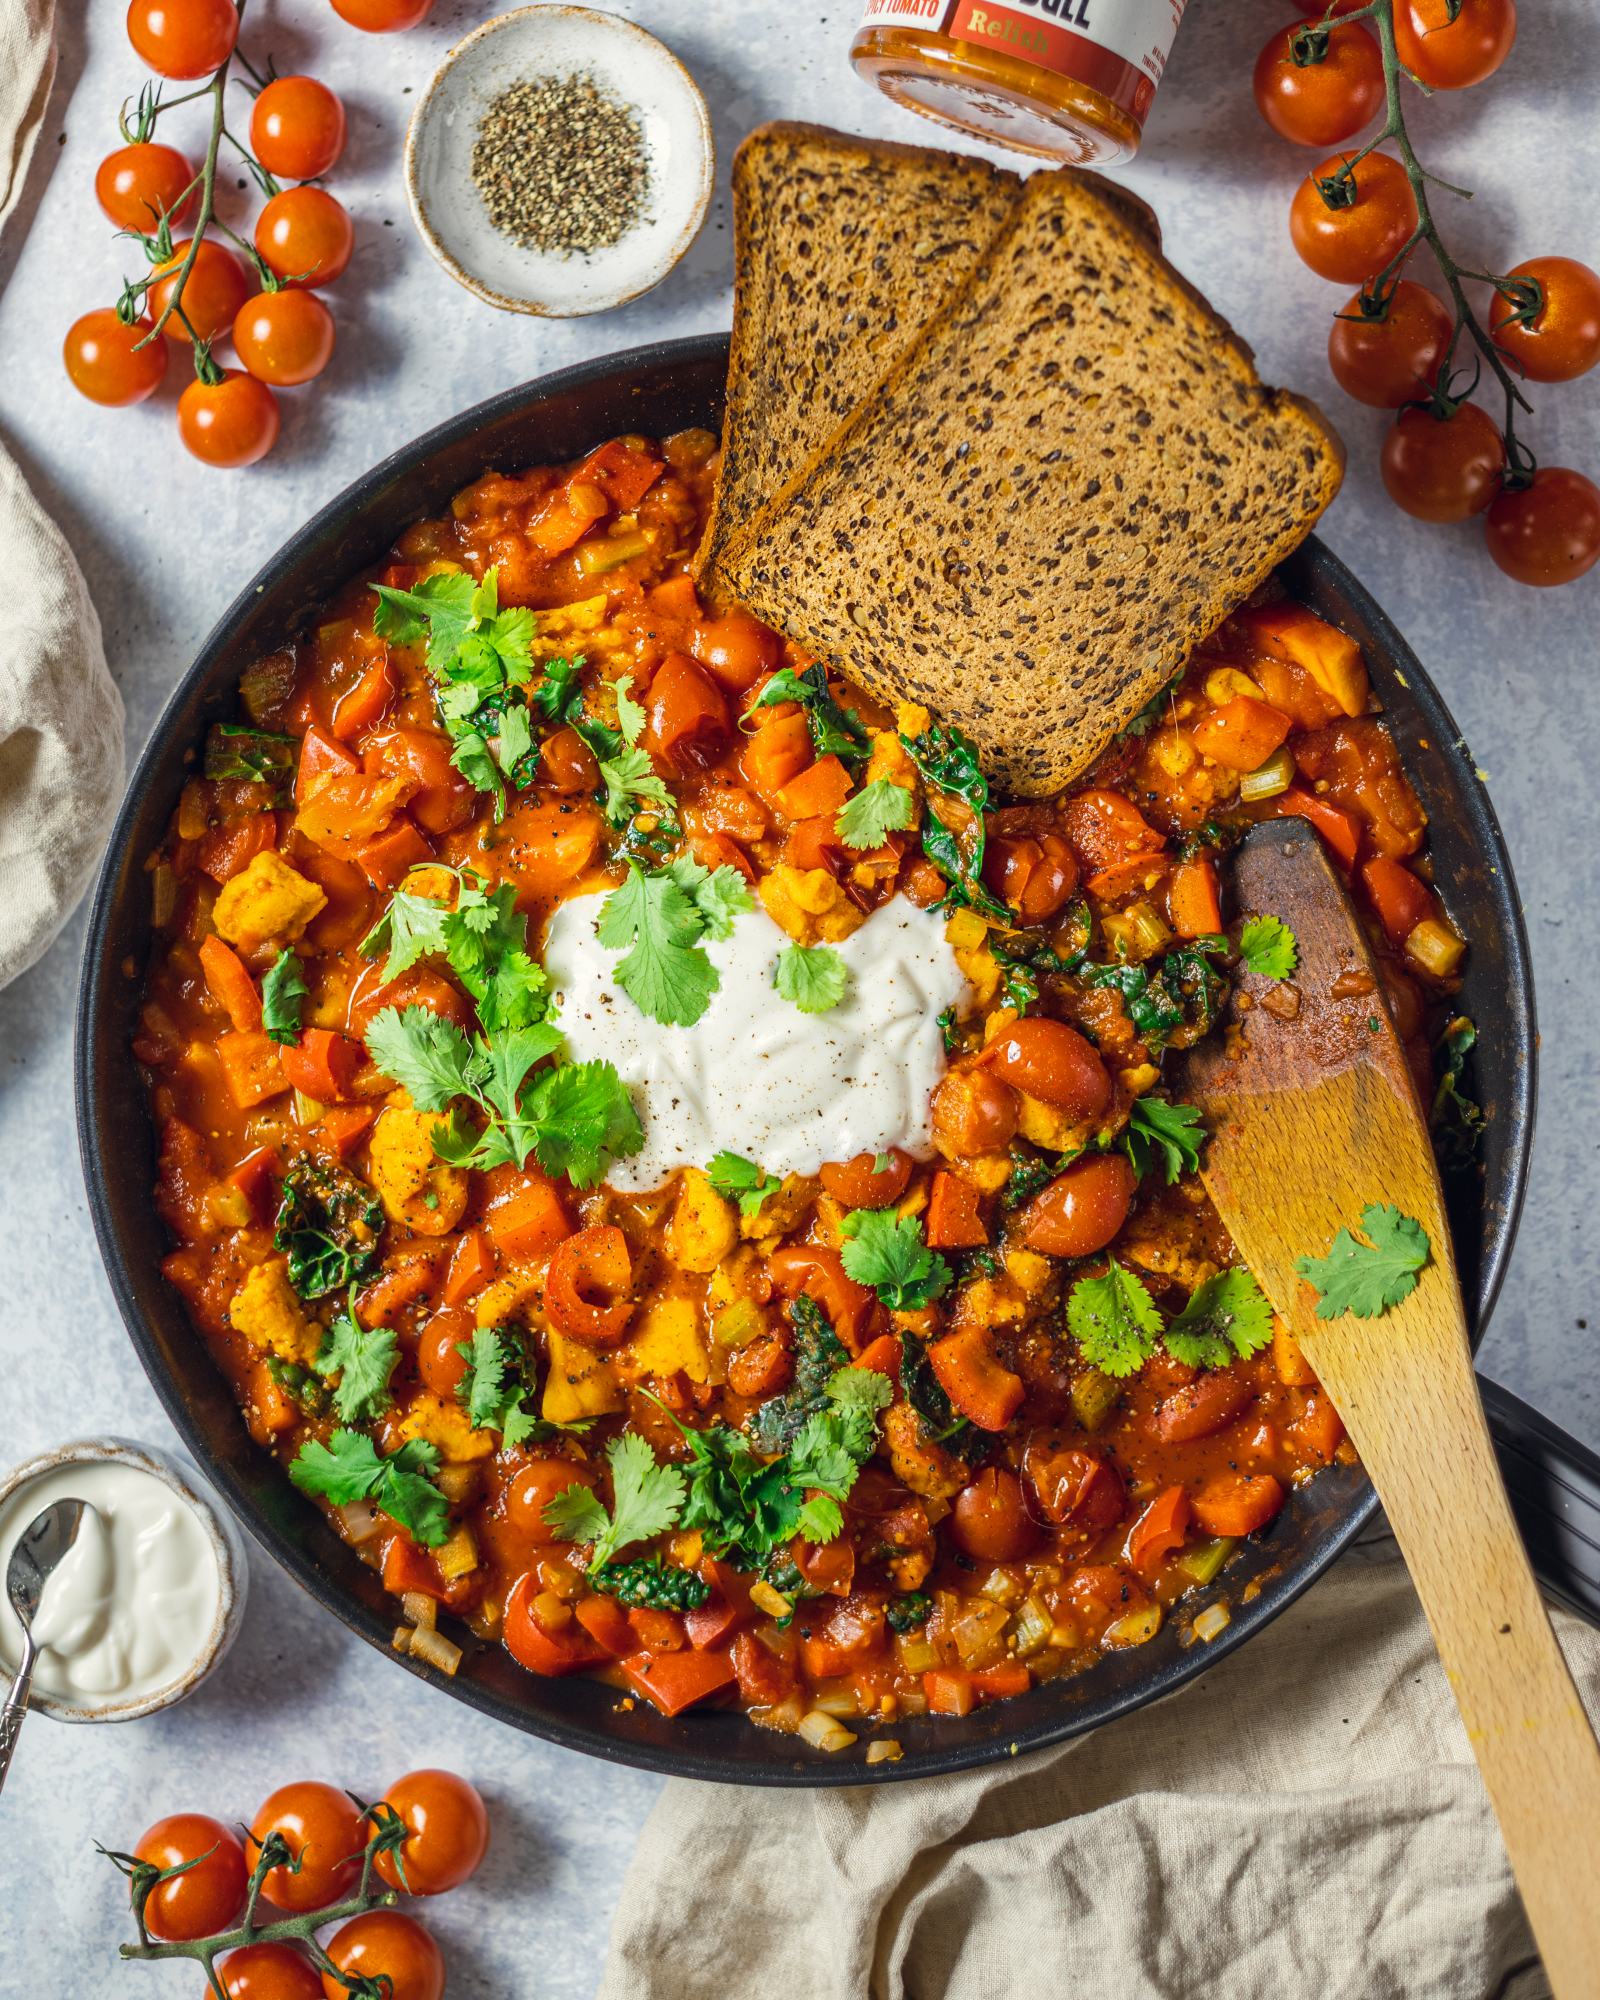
{"points": [[658, 927], [348, 1469], [860, 1389], [1227, 1318], [425, 1054], [343, 1471], [578, 1117], [1114, 1320], [439, 609], [719, 894], [1030, 1173], [481, 1392], [949, 1030], [813, 976], [557, 696], [1156, 1129], [1268, 948], [328, 1224], [646, 1500], [410, 928], [283, 995], [630, 716], [362, 1358], [835, 731], [886, 1251], [406, 1493], [741, 1180], [652, 1583], [1368, 1278], [515, 739], [876, 811], [948, 762], [631, 780]]}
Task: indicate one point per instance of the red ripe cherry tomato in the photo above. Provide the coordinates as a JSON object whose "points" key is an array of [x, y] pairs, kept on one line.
{"points": [[534, 1487], [183, 39], [1547, 532], [737, 648], [1050, 1061], [1450, 54], [1394, 359], [1357, 239], [284, 337], [228, 423], [444, 799], [990, 1520], [586, 1285], [203, 1899], [1443, 468], [99, 352], [859, 1184], [440, 1361], [567, 764], [323, 1828], [1319, 103], [390, 1949], [382, 17], [305, 237], [1035, 873], [449, 1833], [136, 185], [1073, 1486], [268, 1972], [1562, 338], [212, 293], [689, 726], [973, 1113], [297, 128], [1082, 1208]]}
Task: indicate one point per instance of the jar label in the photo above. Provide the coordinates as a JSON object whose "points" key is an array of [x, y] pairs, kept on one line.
{"points": [[1118, 47]]}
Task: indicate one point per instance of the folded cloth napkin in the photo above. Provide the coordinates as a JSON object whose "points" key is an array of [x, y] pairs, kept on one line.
{"points": [[1304, 1819], [60, 713]]}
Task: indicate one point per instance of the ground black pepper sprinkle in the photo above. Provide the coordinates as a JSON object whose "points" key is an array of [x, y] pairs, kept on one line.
{"points": [[560, 165]]}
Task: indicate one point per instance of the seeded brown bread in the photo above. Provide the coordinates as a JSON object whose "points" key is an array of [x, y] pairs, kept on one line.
{"points": [[843, 247], [1060, 487]]}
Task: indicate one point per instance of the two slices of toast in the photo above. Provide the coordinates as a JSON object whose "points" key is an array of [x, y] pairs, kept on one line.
{"points": [[985, 448]]}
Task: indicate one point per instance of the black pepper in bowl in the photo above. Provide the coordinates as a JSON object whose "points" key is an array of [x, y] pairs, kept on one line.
{"points": [[560, 165]]}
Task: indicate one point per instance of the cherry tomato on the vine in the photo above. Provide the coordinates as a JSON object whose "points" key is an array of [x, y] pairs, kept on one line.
{"points": [[138, 184], [321, 1825], [203, 1899], [1443, 468], [1319, 103], [1393, 359], [297, 128], [1562, 338], [183, 39], [1364, 233], [212, 294], [284, 337], [269, 1972], [101, 361], [230, 423], [386, 1945], [1449, 44], [305, 237], [1547, 532], [382, 17], [449, 1832]]}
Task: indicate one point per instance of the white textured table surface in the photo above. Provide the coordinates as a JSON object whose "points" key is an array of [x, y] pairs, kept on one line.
{"points": [[166, 543]]}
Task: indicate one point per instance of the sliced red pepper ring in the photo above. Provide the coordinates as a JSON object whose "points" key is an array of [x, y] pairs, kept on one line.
{"points": [[586, 1285]]}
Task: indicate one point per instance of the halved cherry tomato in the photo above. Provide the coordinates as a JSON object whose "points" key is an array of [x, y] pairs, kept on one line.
{"points": [[860, 1184], [955, 1220], [1052, 1062], [1106, 829], [819, 1272], [532, 1490], [206, 1897], [586, 1285], [1159, 1530], [1083, 1207], [323, 1830], [442, 799], [989, 1519], [322, 1064], [138, 184], [567, 764], [1072, 1487], [448, 1833], [547, 846], [1236, 1504], [689, 727], [974, 1112], [441, 1360], [1035, 874]]}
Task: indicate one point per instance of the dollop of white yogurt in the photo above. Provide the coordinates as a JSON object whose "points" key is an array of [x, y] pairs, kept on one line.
{"points": [[754, 1075], [133, 1603]]}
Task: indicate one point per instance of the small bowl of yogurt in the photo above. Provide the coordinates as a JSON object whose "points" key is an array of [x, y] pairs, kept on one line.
{"points": [[149, 1597]]}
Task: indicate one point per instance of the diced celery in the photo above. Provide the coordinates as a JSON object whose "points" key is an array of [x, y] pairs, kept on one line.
{"points": [[1200, 1564]]}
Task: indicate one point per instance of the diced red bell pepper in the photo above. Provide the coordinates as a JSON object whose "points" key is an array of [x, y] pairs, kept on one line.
{"points": [[471, 1267], [392, 854], [341, 1128], [250, 1067], [321, 756], [227, 850], [567, 516], [361, 705], [657, 1631], [1341, 832], [984, 1391], [1400, 899], [1007, 1677], [605, 1621], [1158, 1531], [230, 984], [322, 1064], [881, 1355], [1193, 903], [623, 473], [530, 1220], [724, 1611], [565, 1651], [829, 1568], [955, 1221], [676, 1681]]}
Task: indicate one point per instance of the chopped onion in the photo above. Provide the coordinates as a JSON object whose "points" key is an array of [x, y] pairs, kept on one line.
{"points": [[1148, 930], [783, 1716], [420, 1609], [823, 1733], [1267, 780], [1435, 947], [358, 1522], [1000, 1587], [163, 894], [307, 1111], [847, 1702], [436, 1650], [1032, 1628], [917, 1655], [885, 1750], [1134, 1628], [193, 814], [1212, 1620], [400, 1638], [977, 1633]]}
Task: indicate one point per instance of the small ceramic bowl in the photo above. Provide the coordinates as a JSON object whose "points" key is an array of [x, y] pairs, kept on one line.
{"points": [[626, 64], [221, 1531]]}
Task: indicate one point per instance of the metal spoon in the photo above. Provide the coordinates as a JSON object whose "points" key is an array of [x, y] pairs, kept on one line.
{"points": [[45, 1541]]}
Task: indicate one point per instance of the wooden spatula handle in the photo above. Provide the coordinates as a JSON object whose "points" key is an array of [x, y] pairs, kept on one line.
{"points": [[1451, 1517]]}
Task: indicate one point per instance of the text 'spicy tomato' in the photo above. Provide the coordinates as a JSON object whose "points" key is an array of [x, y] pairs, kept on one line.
{"points": [[228, 423], [105, 362], [1443, 468], [1366, 225], [390, 1949], [1549, 531], [305, 237], [297, 128], [448, 1833], [284, 338], [139, 183], [323, 1829], [1561, 338], [1393, 358], [1325, 102], [207, 1896], [183, 39]]}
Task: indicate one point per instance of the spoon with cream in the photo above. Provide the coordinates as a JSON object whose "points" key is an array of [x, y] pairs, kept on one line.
{"points": [[43, 1543]]}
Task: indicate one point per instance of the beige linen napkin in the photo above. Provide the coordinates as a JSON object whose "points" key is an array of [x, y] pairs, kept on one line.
{"points": [[1305, 1822], [60, 713]]}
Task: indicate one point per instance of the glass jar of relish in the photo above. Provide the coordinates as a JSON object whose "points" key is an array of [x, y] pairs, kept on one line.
{"points": [[1065, 80]]}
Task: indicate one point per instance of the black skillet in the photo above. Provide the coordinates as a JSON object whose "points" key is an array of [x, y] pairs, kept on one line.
{"points": [[657, 390]]}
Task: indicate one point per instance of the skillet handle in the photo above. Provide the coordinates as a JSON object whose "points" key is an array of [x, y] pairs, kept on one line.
{"points": [[1554, 1485]]}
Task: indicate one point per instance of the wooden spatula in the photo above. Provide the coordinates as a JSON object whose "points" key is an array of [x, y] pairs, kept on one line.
{"points": [[1314, 1116]]}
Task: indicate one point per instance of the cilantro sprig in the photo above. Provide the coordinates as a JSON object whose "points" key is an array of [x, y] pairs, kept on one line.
{"points": [[866, 819], [283, 998], [741, 1180], [948, 762], [1114, 1320], [812, 976], [483, 938], [494, 1389], [1227, 1317], [348, 1468], [1118, 1325], [356, 1362], [887, 1252], [630, 779], [1171, 1133], [1268, 947], [659, 919], [1368, 1278], [646, 1501]]}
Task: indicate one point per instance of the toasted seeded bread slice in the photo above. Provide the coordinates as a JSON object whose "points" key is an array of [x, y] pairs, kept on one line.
{"points": [[1069, 478], [843, 247]]}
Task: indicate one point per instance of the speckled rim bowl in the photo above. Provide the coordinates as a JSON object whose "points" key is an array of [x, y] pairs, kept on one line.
{"points": [[227, 1545], [628, 64]]}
